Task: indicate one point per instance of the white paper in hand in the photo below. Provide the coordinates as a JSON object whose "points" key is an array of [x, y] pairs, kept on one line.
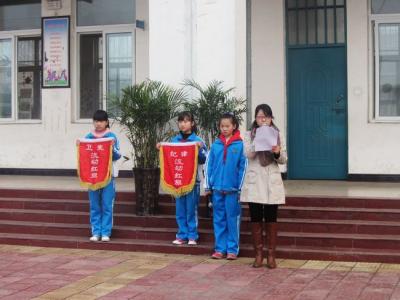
{"points": [[266, 137]]}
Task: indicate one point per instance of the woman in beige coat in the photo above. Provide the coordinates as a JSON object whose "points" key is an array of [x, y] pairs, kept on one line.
{"points": [[263, 187]]}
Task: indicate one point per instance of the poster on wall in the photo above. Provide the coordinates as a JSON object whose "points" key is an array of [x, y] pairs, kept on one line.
{"points": [[55, 56]]}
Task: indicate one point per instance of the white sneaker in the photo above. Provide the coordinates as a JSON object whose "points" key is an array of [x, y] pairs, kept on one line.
{"points": [[94, 238], [192, 243], [179, 242], [105, 238]]}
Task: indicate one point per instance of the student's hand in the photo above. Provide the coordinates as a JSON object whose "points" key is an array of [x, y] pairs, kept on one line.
{"points": [[208, 192], [78, 142], [112, 142], [158, 146], [276, 149], [199, 144]]}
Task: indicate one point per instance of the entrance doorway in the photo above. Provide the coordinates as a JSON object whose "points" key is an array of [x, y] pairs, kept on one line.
{"points": [[317, 89]]}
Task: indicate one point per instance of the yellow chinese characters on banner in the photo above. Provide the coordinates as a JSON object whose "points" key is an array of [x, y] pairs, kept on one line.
{"points": [[95, 162], [178, 164]]}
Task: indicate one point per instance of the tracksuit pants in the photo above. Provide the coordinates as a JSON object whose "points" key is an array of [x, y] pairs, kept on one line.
{"points": [[101, 209], [186, 214], [226, 221]]}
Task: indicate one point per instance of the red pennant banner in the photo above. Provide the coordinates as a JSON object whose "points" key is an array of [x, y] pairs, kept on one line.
{"points": [[95, 162], [178, 164]]}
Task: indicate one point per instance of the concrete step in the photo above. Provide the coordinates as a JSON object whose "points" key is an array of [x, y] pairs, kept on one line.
{"points": [[312, 201], [340, 213], [309, 227], [168, 208], [292, 252], [59, 204], [311, 239]]}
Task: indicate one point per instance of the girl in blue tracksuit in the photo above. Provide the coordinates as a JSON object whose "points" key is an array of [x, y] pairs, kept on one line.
{"points": [[102, 200], [225, 169], [186, 206]]}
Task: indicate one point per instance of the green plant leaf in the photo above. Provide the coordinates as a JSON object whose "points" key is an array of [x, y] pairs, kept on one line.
{"points": [[209, 104], [147, 111]]}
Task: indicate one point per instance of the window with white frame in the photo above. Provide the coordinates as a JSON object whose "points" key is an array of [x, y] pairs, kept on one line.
{"points": [[6, 58], [106, 52], [385, 16], [29, 72], [20, 60]]}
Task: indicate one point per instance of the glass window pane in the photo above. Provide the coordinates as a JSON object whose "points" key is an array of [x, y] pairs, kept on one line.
{"points": [[316, 23], [321, 26], [330, 23], [105, 12], [91, 74], [302, 26], [291, 3], [301, 3], [5, 78], [16, 15], [389, 70], [311, 26], [28, 78], [340, 26], [385, 6], [310, 3], [292, 27], [119, 62]]}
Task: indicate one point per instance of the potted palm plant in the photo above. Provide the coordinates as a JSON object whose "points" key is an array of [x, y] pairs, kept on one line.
{"points": [[146, 111], [210, 103]]}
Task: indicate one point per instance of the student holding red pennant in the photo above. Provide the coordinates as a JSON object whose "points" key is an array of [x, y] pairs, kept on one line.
{"points": [[179, 163], [96, 154]]}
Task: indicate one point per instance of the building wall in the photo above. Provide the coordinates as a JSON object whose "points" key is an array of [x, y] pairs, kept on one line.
{"points": [[167, 50], [373, 146], [142, 41], [206, 40], [200, 40], [50, 143], [182, 39], [268, 58]]}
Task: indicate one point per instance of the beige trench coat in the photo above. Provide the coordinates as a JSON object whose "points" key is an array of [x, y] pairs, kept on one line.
{"points": [[263, 184]]}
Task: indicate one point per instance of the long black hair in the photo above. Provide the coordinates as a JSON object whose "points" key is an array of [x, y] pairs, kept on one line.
{"points": [[101, 115], [231, 116], [266, 109], [187, 115]]}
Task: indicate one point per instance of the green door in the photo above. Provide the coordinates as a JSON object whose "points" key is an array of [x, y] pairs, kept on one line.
{"points": [[317, 113], [317, 93]]}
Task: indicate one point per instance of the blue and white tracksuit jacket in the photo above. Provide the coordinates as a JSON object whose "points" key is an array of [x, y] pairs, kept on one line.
{"points": [[187, 205], [102, 200], [225, 170]]}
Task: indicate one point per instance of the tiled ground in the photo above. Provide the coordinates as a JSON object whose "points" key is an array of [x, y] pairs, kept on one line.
{"points": [[52, 273]]}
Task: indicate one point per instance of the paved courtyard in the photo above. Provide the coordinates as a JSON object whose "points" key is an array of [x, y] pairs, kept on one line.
{"points": [[53, 273]]}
